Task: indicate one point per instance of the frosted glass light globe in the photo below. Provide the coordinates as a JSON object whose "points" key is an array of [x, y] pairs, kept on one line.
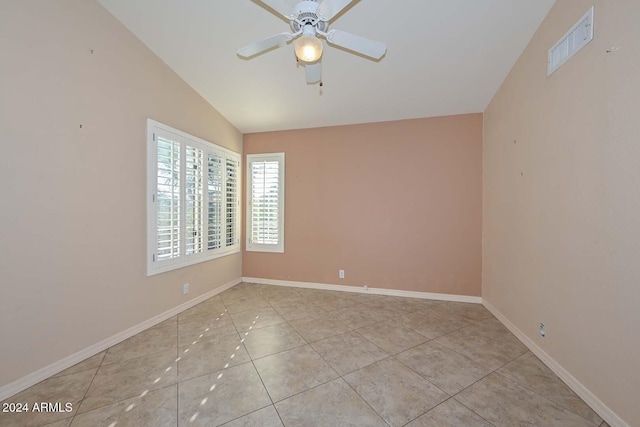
{"points": [[308, 48]]}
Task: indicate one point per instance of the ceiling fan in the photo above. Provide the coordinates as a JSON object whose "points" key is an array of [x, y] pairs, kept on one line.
{"points": [[310, 19]]}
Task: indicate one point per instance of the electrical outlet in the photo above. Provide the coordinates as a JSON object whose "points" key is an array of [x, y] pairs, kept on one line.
{"points": [[185, 289], [543, 331], [341, 274]]}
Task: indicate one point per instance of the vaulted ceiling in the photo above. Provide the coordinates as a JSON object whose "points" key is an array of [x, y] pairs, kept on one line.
{"points": [[444, 57]]}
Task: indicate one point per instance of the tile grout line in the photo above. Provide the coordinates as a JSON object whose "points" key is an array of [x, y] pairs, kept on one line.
{"points": [[307, 343], [395, 354], [90, 384], [463, 355], [161, 388], [471, 385], [265, 389], [260, 376], [241, 341], [120, 400], [369, 341], [393, 357], [252, 361], [541, 395], [365, 401], [245, 415], [347, 382], [388, 357], [278, 413], [515, 381], [471, 410], [440, 404]]}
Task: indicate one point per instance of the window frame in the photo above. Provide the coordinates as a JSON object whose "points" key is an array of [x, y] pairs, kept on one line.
{"points": [[260, 247], [154, 265]]}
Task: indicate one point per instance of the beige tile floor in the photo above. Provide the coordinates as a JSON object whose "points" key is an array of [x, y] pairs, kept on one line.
{"points": [[265, 356]]}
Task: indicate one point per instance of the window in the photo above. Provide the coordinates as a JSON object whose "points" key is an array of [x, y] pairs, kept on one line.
{"points": [[193, 202], [265, 202]]}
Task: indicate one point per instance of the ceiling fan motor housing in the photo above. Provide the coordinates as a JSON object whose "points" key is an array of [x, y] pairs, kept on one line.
{"points": [[306, 13]]}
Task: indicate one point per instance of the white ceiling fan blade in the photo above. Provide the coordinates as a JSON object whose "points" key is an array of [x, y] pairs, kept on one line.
{"points": [[314, 72], [328, 9], [264, 45], [370, 48], [281, 7]]}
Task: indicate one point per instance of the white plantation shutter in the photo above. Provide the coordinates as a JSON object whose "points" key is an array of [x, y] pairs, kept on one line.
{"points": [[168, 199], [232, 201], [265, 199], [264, 202], [214, 182], [193, 199]]}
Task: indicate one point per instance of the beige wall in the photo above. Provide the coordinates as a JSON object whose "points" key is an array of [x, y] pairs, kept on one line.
{"points": [[561, 222], [396, 205], [72, 242]]}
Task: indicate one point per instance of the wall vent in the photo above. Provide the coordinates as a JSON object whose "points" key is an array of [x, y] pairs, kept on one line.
{"points": [[574, 40]]}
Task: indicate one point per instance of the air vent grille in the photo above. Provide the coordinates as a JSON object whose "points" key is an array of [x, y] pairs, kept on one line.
{"points": [[574, 40]]}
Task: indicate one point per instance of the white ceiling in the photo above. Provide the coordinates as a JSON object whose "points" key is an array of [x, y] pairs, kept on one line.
{"points": [[444, 57]]}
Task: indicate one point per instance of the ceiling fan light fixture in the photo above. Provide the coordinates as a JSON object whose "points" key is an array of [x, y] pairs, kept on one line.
{"points": [[308, 48], [309, 21]]}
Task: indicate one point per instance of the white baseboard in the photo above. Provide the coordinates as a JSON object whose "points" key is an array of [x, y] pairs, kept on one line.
{"points": [[41, 374], [583, 392], [361, 290]]}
